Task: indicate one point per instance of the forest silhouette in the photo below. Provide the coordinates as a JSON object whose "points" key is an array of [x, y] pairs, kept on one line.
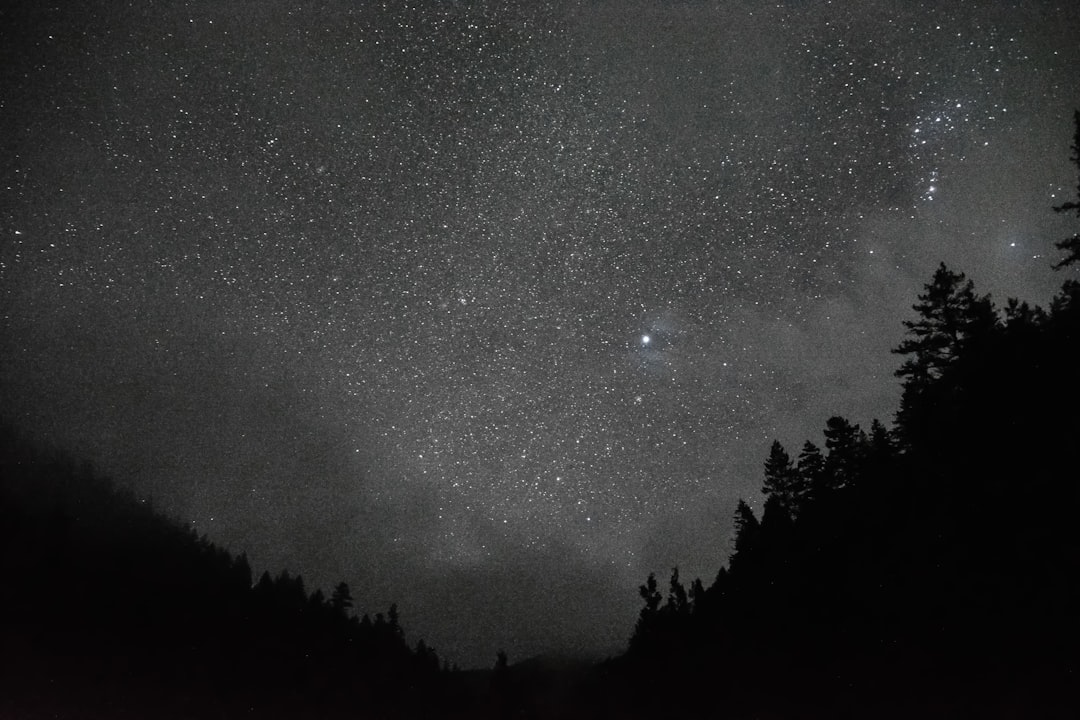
{"points": [[113, 610], [930, 569]]}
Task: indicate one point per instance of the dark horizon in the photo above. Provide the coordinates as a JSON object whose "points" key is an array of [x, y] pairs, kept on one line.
{"points": [[364, 292]]}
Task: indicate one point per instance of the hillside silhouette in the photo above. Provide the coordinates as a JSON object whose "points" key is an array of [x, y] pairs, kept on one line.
{"points": [[926, 568], [112, 610]]}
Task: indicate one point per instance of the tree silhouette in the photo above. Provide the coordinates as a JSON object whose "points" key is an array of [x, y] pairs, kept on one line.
{"points": [[677, 601], [114, 581], [1071, 246], [783, 481], [341, 600], [811, 468], [747, 529], [647, 617], [651, 595], [949, 314], [846, 446], [951, 319], [393, 621], [502, 687], [697, 595]]}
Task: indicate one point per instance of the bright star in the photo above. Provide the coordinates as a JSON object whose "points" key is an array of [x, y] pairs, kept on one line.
{"points": [[645, 339]]}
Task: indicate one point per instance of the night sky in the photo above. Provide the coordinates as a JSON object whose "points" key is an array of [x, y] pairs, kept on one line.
{"points": [[492, 308]]}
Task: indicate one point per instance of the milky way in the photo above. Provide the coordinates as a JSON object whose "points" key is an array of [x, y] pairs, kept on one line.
{"points": [[492, 308]]}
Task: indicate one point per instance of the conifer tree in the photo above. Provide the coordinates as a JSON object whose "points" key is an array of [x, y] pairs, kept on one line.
{"points": [[935, 335], [952, 319], [266, 584], [316, 601], [782, 481], [747, 529], [811, 469], [1021, 316], [651, 595], [645, 628], [950, 314], [501, 686], [1067, 302], [394, 622], [677, 601], [846, 444], [880, 449], [1071, 246], [697, 596], [341, 599]]}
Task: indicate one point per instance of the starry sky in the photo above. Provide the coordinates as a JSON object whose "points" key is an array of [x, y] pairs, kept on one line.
{"points": [[490, 308]]}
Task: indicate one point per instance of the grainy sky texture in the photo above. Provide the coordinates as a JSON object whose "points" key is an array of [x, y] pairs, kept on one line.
{"points": [[491, 308]]}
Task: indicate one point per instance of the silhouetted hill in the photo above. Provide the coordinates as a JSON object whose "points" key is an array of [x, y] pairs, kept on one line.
{"points": [[111, 610]]}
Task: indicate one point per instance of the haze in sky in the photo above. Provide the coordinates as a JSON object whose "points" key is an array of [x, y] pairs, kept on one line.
{"points": [[492, 308]]}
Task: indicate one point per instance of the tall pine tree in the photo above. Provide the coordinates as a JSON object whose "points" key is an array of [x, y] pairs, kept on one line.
{"points": [[782, 480], [811, 470], [951, 318], [846, 444], [1071, 246], [747, 529], [950, 314]]}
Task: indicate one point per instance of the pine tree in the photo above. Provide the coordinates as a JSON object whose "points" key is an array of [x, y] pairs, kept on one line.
{"points": [[811, 469], [774, 515], [952, 319], [677, 601], [782, 481], [341, 599], [395, 625], [950, 315], [501, 686], [265, 587], [846, 444], [697, 596], [651, 595], [880, 449], [1071, 246], [645, 628], [747, 529], [1066, 303]]}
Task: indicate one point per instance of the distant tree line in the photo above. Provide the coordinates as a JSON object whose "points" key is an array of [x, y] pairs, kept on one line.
{"points": [[111, 610]]}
